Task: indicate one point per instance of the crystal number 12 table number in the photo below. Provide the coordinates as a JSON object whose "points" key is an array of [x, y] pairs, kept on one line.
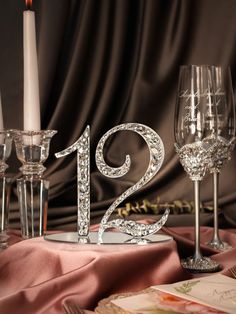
{"points": [[136, 232]]}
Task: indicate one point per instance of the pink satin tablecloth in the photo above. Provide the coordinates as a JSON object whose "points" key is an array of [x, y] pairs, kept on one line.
{"points": [[38, 276]]}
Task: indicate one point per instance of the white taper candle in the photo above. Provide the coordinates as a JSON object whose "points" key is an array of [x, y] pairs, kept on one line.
{"points": [[31, 81]]}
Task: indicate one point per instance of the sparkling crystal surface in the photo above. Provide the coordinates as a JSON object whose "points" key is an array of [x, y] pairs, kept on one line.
{"points": [[82, 145], [195, 159], [221, 151], [200, 265], [156, 150], [32, 150]]}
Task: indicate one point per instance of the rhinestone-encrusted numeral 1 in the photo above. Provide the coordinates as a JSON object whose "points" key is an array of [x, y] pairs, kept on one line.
{"points": [[82, 145], [156, 150]]}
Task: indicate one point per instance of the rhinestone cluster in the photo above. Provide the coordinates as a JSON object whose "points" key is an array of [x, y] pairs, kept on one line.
{"points": [[194, 158], [82, 145], [220, 153], [204, 264], [156, 150], [138, 230], [210, 154]]}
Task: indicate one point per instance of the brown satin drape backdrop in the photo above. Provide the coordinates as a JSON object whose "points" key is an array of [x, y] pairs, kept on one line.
{"points": [[107, 62]]}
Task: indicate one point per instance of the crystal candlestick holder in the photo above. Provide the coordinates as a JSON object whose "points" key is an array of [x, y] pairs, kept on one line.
{"points": [[5, 185], [32, 150]]}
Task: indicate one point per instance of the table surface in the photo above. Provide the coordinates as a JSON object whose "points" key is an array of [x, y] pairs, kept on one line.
{"points": [[52, 277]]}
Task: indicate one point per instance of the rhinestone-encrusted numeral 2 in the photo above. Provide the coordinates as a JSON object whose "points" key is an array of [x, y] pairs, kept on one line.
{"points": [[156, 150]]}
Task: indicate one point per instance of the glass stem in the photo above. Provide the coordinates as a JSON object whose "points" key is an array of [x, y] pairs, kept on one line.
{"points": [[215, 204], [197, 254]]}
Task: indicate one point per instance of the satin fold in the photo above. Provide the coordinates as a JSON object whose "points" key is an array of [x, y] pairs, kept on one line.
{"points": [[42, 276]]}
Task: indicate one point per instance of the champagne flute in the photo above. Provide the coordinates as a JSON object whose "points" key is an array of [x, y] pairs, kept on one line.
{"points": [[195, 122], [224, 142]]}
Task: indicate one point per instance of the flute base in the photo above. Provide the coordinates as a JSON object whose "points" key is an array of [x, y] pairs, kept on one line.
{"points": [[219, 245], [108, 238], [200, 265]]}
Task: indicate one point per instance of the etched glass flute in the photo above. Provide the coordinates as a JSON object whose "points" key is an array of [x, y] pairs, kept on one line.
{"points": [[224, 142], [195, 122]]}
